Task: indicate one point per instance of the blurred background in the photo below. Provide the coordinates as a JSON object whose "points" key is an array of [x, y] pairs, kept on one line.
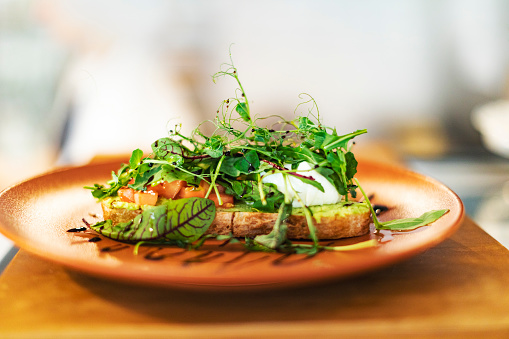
{"points": [[428, 78]]}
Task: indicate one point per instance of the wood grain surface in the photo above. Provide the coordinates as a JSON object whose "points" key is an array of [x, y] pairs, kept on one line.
{"points": [[458, 289]]}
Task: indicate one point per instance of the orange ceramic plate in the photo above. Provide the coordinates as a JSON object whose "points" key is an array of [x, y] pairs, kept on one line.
{"points": [[37, 213]]}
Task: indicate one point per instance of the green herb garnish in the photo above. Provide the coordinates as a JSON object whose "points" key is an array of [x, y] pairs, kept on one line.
{"points": [[406, 224], [242, 150]]}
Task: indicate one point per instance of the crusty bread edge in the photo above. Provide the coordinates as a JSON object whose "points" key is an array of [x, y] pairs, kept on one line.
{"points": [[251, 224]]}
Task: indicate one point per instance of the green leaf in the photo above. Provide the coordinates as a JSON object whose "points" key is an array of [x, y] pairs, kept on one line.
{"points": [[333, 142], [214, 146], [136, 157], [168, 173], [311, 182], [307, 250], [215, 153], [228, 167], [183, 220], [413, 223], [278, 234], [243, 111], [273, 199], [189, 218], [333, 178], [237, 188], [246, 191], [337, 162], [248, 163], [235, 166], [118, 180], [169, 150], [251, 245], [158, 173], [306, 154], [305, 124], [143, 178], [351, 165], [98, 191], [149, 225], [319, 138]]}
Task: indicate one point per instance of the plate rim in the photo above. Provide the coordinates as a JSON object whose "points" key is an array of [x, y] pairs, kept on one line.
{"points": [[105, 271]]}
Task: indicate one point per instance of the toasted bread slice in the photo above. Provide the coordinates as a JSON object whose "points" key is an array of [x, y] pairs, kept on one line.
{"points": [[337, 221]]}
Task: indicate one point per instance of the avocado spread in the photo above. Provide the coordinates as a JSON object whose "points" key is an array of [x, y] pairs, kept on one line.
{"points": [[319, 211], [338, 210]]}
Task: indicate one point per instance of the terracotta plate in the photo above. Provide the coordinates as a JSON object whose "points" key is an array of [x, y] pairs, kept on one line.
{"points": [[37, 213]]}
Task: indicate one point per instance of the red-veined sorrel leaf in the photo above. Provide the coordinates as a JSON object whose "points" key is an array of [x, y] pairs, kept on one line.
{"points": [[183, 219], [189, 218]]}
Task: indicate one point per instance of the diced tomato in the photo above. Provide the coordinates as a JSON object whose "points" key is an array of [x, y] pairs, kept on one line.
{"points": [[201, 190], [126, 194], [226, 199], [205, 185], [191, 192], [145, 198], [131, 181], [167, 189], [155, 189]]}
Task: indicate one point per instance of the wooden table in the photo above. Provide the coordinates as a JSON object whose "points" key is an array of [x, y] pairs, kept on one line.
{"points": [[458, 289]]}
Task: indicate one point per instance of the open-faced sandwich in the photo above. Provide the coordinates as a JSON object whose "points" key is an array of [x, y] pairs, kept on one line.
{"points": [[261, 180]]}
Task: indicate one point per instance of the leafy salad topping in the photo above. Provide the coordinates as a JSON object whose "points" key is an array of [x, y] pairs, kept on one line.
{"points": [[239, 154]]}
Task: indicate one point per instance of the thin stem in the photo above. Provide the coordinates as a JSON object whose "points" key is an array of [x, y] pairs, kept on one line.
{"points": [[366, 198], [260, 191], [178, 167], [307, 213], [357, 246], [284, 170], [243, 93], [213, 181]]}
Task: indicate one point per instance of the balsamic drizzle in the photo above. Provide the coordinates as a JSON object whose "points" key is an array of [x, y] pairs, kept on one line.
{"points": [[154, 255], [210, 255], [202, 257], [77, 229], [114, 248]]}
